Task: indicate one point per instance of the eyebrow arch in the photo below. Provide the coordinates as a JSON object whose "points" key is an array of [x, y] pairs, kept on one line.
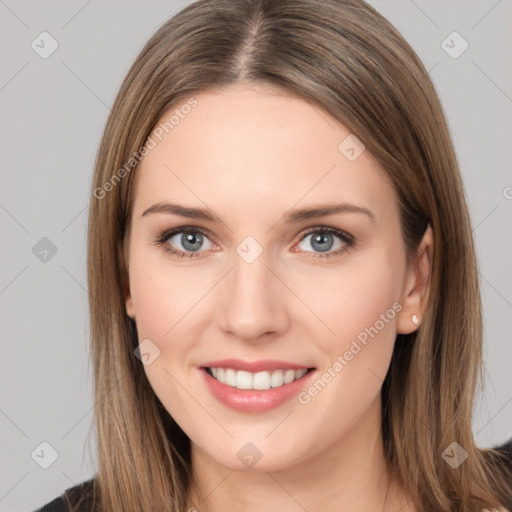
{"points": [[292, 217], [182, 211], [324, 210]]}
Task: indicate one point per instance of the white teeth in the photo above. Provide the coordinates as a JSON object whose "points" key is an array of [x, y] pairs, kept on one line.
{"points": [[289, 376], [243, 380], [230, 377], [277, 378], [300, 373], [260, 381]]}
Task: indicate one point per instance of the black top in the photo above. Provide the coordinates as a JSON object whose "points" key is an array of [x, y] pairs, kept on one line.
{"points": [[85, 491], [72, 496]]}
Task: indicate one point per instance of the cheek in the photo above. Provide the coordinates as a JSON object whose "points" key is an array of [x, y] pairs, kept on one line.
{"points": [[356, 298], [162, 293], [361, 307], [359, 304], [164, 304]]}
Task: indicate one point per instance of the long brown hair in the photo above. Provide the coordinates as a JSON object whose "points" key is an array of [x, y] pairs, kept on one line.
{"points": [[347, 59]]}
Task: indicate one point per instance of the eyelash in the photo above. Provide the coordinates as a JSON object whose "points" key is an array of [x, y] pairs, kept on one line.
{"points": [[349, 240]]}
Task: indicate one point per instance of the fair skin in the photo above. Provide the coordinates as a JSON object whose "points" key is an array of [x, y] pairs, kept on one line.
{"points": [[249, 157]]}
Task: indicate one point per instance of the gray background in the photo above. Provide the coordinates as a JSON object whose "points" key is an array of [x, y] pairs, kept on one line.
{"points": [[52, 115]]}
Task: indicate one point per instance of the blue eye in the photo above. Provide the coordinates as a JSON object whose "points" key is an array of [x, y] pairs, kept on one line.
{"points": [[323, 240], [192, 240]]}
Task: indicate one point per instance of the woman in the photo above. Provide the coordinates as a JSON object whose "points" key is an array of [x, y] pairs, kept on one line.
{"points": [[283, 289]]}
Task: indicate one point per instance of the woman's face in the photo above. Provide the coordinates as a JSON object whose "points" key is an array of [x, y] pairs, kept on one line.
{"points": [[260, 283]]}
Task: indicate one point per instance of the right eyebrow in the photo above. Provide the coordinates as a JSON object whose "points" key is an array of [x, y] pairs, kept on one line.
{"points": [[182, 211]]}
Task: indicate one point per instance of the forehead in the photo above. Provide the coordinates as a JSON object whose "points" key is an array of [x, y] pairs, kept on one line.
{"points": [[249, 150]]}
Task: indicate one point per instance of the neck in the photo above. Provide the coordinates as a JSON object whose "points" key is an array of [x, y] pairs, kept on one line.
{"points": [[352, 474]]}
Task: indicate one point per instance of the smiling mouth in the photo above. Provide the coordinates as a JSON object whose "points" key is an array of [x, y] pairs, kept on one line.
{"points": [[261, 381]]}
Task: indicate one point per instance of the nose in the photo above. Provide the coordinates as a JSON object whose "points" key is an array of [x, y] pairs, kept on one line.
{"points": [[253, 301]]}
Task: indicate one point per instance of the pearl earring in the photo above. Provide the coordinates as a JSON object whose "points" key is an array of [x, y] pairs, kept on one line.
{"points": [[414, 319]]}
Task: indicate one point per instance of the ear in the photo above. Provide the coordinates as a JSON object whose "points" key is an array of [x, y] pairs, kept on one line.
{"points": [[128, 297], [125, 284], [129, 306], [414, 297]]}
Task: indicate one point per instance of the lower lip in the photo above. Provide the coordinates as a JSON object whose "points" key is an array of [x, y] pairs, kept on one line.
{"points": [[250, 400]]}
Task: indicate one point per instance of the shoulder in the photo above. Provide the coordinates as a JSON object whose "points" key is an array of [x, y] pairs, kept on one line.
{"points": [[505, 458], [506, 450], [81, 494]]}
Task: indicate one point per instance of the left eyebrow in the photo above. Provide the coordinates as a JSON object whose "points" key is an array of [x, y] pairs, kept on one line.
{"points": [[295, 216], [324, 210]]}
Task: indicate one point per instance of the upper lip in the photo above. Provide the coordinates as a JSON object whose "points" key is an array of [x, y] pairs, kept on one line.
{"points": [[255, 366]]}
